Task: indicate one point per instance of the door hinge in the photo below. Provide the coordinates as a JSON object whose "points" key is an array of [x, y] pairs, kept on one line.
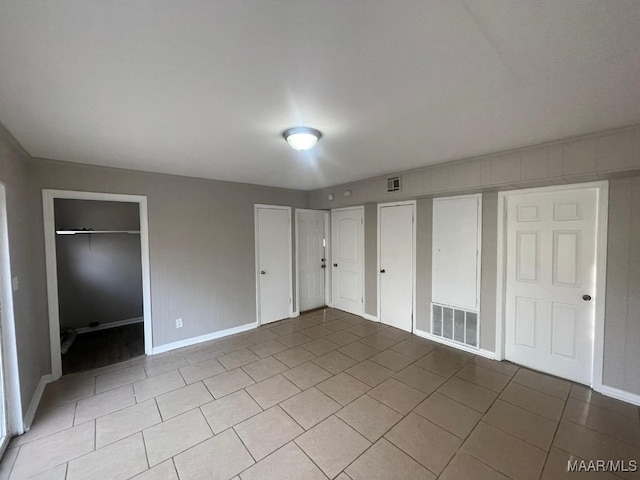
{"points": [[289, 299]]}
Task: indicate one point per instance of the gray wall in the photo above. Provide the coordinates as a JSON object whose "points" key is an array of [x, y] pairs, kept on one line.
{"points": [[424, 230], [622, 324], [29, 303], [202, 237], [424, 224], [99, 275], [489, 278], [201, 241], [614, 155], [371, 259], [571, 161]]}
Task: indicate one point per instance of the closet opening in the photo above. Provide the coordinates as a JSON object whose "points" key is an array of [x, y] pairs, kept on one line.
{"points": [[97, 273]]}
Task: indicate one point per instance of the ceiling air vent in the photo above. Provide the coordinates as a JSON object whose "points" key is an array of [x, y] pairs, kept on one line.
{"points": [[393, 184]]}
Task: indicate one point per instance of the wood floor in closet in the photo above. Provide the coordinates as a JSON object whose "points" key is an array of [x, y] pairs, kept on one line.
{"points": [[104, 347]]}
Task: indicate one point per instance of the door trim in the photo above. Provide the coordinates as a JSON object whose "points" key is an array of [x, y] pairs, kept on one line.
{"points": [[12, 397], [48, 197], [602, 188], [362, 246], [413, 204], [327, 252], [256, 207]]}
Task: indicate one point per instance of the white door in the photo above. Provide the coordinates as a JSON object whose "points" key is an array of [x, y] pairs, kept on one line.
{"points": [[455, 258], [550, 281], [273, 263], [311, 258], [396, 265], [347, 246]]}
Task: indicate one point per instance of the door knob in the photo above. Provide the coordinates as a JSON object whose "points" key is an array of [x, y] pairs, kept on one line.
{"points": [[323, 266], [586, 298], [335, 264], [382, 271], [262, 272]]}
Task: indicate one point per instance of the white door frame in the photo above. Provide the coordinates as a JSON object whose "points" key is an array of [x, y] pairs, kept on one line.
{"points": [[13, 404], [257, 257], [48, 197], [600, 277], [413, 258], [327, 252], [364, 298]]}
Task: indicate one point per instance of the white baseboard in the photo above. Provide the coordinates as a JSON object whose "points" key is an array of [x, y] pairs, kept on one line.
{"points": [[619, 394], [203, 338], [459, 346], [35, 402], [104, 326], [373, 318]]}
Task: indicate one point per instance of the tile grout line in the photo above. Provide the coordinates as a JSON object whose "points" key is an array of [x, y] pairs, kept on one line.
{"points": [[13, 464], [636, 447], [146, 452], [555, 434], [235, 432], [339, 419], [475, 428], [529, 410], [390, 347], [175, 468]]}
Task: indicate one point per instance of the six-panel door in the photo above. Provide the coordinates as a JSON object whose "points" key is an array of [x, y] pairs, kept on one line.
{"points": [[550, 282]]}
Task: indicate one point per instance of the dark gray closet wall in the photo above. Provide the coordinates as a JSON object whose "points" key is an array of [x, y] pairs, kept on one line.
{"points": [[99, 274]]}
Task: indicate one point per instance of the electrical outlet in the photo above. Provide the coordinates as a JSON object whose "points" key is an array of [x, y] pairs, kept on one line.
{"points": [[15, 283], [179, 323]]}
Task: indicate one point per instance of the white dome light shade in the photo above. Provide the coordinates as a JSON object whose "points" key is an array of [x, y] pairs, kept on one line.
{"points": [[301, 138]]}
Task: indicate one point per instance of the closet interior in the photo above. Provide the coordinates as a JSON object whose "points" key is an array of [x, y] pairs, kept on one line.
{"points": [[99, 272]]}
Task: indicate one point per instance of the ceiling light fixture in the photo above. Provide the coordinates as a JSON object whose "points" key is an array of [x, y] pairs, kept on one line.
{"points": [[301, 138]]}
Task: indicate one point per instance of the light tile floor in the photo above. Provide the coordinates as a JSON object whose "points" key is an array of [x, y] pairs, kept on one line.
{"points": [[324, 395]]}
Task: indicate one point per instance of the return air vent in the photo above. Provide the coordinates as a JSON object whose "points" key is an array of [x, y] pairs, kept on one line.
{"points": [[454, 324], [393, 184]]}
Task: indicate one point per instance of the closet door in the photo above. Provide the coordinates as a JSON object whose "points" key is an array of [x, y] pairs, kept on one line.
{"points": [[457, 227], [273, 262], [396, 264]]}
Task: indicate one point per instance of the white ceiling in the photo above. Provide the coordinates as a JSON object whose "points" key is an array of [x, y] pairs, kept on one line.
{"points": [[205, 88]]}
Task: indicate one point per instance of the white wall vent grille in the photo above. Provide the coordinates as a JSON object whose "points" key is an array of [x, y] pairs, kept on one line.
{"points": [[393, 184], [455, 324]]}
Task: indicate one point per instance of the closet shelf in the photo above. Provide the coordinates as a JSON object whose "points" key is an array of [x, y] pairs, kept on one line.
{"points": [[74, 232]]}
